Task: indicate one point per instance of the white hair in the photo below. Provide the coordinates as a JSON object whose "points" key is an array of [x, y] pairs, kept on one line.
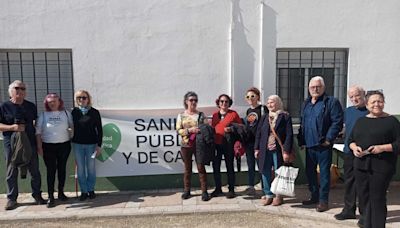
{"points": [[13, 84], [318, 78], [278, 101], [358, 88]]}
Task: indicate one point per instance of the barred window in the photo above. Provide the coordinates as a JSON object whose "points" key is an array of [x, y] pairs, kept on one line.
{"points": [[295, 67], [43, 71]]}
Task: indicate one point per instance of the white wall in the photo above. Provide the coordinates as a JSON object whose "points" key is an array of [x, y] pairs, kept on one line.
{"points": [[147, 54]]}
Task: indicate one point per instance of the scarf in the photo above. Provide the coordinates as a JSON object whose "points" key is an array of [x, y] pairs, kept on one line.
{"points": [[84, 110], [272, 117]]}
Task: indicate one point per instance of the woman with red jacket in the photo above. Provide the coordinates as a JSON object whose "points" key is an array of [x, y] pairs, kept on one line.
{"points": [[221, 122]]}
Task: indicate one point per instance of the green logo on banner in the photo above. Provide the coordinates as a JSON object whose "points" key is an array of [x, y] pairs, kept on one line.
{"points": [[111, 141]]}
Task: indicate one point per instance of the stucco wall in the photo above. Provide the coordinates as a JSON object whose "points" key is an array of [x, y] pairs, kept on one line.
{"points": [[146, 54]]}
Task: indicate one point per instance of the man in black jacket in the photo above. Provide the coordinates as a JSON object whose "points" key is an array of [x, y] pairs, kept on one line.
{"points": [[12, 113]]}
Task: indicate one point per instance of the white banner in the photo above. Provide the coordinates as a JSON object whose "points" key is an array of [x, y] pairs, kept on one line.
{"points": [[143, 142]]}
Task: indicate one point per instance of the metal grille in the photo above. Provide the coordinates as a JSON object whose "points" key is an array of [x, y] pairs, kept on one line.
{"points": [[43, 72], [295, 67]]}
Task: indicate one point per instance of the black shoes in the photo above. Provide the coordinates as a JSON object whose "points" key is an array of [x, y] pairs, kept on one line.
{"points": [[217, 192], [230, 195], [92, 195], [321, 207], [62, 196], [11, 205], [39, 200], [205, 196], [83, 196], [186, 195], [51, 202], [360, 222], [343, 216], [309, 202]]}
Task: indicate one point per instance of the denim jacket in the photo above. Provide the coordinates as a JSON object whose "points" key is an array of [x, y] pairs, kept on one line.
{"points": [[329, 124]]}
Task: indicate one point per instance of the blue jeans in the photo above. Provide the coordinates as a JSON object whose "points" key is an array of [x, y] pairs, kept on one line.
{"points": [[271, 160], [86, 166], [251, 163], [321, 156]]}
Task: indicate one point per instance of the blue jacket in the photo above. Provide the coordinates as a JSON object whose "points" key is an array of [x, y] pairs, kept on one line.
{"points": [[329, 124]]}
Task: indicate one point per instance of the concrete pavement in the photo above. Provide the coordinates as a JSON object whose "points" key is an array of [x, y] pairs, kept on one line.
{"points": [[168, 201]]}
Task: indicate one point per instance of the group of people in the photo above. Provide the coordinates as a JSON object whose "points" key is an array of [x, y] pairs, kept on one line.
{"points": [[372, 143], [50, 135]]}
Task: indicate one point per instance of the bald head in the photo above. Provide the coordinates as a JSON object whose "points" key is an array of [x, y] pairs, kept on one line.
{"points": [[357, 96]]}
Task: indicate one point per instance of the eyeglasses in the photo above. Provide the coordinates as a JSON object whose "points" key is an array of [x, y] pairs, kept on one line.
{"points": [[251, 96], [20, 88], [81, 98], [315, 87], [192, 100], [223, 101]]}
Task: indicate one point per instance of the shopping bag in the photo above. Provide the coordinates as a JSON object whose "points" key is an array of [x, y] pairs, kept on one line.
{"points": [[283, 183]]}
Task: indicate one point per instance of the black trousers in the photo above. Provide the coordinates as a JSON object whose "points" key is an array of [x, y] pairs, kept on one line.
{"points": [[350, 193], [226, 149], [55, 157], [371, 189]]}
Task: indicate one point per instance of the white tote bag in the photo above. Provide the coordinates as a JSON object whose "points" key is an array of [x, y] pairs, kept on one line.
{"points": [[283, 183]]}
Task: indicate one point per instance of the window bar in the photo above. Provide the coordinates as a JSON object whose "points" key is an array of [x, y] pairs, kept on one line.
{"points": [[59, 73], [277, 71], [34, 76], [311, 67], [47, 73], [8, 68], [20, 66], [323, 61]]}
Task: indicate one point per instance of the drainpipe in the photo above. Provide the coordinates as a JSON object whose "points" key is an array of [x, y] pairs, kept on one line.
{"points": [[261, 57]]}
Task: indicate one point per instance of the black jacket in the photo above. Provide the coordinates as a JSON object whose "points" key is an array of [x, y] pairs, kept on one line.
{"points": [[21, 152], [205, 146]]}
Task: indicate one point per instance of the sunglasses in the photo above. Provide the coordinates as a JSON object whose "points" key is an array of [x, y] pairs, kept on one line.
{"points": [[223, 101], [251, 96], [81, 98], [20, 88], [192, 100]]}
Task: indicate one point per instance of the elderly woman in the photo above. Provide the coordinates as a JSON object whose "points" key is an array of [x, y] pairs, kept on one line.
{"points": [[253, 115], [87, 140], [221, 121], [53, 131], [275, 128], [187, 125], [375, 142]]}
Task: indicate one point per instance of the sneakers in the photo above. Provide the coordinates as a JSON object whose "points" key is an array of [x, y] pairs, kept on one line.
{"points": [[83, 196], [344, 216], [265, 201], [185, 195], [39, 200], [277, 201], [11, 205], [51, 202], [62, 196], [205, 196], [230, 195], [217, 192], [92, 195]]}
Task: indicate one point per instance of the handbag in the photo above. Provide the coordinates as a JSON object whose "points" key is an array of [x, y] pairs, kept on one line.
{"points": [[283, 183], [292, 154]]}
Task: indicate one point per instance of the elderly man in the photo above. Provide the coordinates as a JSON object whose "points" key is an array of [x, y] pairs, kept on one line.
{"points": [[356, 95], [18, 114], [321, 122]]}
